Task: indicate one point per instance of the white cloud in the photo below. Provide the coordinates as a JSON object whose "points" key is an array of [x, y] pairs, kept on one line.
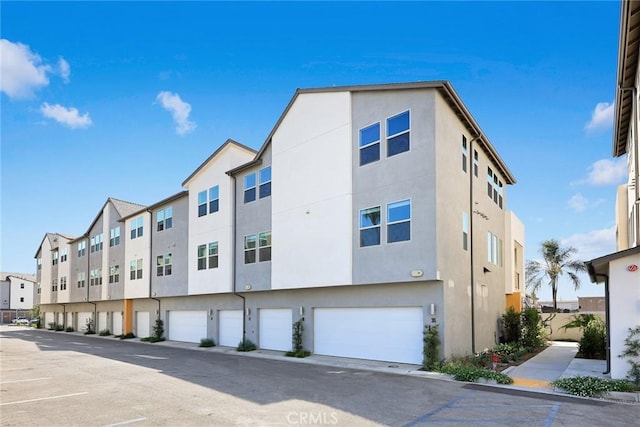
{"points": [[69, 117], [602, 117], [607, 171], [578, 202], [180, 111], [21, 71], [63, 69], [592, 244]]}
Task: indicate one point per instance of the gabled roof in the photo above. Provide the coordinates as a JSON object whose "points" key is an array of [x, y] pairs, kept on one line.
{"points": [[52, 238], [598, 266], [628, 46], [443, 87], [32, 278], [155, 205], [215, 153], [122, 207]]}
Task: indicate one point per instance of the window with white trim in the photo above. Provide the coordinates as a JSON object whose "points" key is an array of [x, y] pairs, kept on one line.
{"points": [[475, 162], [398, 131], [114, 273], [54, 257], [21, 285], [209, 199], [137, 227], [95, 277], [495, 249], [494, 187], [54, 285], [96, 243], [63, 283], [135, 269], [64, 254], [82, 248], [399, 221], [250, 248], [163, 265], [265, 182], [250, 187], [264, 246], [39, 263], [465, 153], [114, 236], [465, 231], [82, 277], [164, 218], [370, 226], [369, 144]]}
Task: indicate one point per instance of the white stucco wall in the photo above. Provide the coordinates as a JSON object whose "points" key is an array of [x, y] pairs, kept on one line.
{"points": [[311, 196], [18, 292], [624, 304], [215, 227]]}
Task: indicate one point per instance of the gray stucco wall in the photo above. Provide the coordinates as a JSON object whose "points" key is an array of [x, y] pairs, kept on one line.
{"points": [[252, 218], [95, 261], [115, 256], [408, 175], [175, 241], [78, 264]]}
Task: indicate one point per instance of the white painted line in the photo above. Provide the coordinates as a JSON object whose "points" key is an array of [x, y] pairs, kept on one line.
{"points": [[151, 357], [22, 381], [78, 343], [44, 398], [125, 422]]}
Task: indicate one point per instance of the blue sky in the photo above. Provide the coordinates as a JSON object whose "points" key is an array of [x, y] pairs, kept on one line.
{"points": [[127, 99]]}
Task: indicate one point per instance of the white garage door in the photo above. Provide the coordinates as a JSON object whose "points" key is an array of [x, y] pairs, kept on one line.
{"points": [[187, 326], [117, 322], [102, 321], [82, 319], [383, 333], [142, 324], [230, 327], [48, 318], [69, 320], [275, 328]]}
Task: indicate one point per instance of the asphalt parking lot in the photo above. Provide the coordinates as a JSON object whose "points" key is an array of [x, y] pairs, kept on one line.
{"points": [[61, 379]]}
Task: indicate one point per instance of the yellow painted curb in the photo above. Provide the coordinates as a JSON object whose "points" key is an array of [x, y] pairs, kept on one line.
{"points": [[526, 382]]}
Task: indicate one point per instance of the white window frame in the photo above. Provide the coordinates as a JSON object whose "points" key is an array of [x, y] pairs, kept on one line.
{"points": [[395, 135], [409, 220], [369, 144], [369, 227]]}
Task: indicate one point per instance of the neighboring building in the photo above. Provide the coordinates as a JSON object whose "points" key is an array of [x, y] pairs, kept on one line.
{"points": [[591, 304], [620, 271], [17, 295], [368, 213]]}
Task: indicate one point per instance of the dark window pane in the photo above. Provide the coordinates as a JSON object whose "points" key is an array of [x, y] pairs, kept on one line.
{"points": [[399, 232], [139, 274], [160, 226], [168, 223], [369, 154], [214, 205], [202, 210], [265, 190], [160, 271], [202, 263], [489, 189], [398, 144], [370, 237], [249, 195], [213, 261], [167, 270], [265, 254], [139, 231], [250, 256]]}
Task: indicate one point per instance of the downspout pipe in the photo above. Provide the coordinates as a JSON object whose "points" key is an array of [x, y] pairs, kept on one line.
{"points": [[233, 259], [607, 319], [471, 263], [88, 282]]}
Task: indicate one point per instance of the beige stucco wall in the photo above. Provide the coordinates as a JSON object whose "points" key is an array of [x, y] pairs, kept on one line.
{"points": [[561, 319]]}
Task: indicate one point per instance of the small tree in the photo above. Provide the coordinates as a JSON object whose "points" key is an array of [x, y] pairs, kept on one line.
{"points": [[512, 322], [297, 335], [593, 343], [430, 347], [632, 352], [88, 327], [158, 330], [532, 329]]}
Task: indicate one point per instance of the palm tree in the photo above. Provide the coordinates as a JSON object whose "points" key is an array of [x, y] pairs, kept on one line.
{"points": [[556, 262]]}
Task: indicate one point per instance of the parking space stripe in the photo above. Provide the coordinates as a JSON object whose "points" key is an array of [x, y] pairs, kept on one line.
{"points": [[439, 409], [552, 414], [24, 381], [126, 422], [44, 398]]}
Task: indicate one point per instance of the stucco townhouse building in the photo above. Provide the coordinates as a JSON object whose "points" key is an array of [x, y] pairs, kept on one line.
{"points": [[368, 213]]}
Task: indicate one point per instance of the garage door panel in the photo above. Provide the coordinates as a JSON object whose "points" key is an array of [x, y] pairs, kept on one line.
{"points": [[117, 323], [378, 333], [82, 319], [230, 327], [142, 324], [275, 327], [187, 326]]}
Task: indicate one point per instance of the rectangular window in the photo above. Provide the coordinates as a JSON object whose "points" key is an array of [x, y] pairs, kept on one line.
{"points": [[63, 283], [39, 263], [202, 257], [495, 189], [54, 285], [63, 254], [163, 265], [250, 249], [114, 237], [465, 153], [398, 134], [21, 285], [264, 244], [114, 274], [164, 218], [249, 187], [399, 221], [135, 269], [265, 182], [465, 231], [95, 277], [475, 163], [81, 279], [370, 226], [21, 299], [96, 243], [214, 199], [202, 203], [82, 248], [213, 255], [54, 257], [136, 227], [369, 144], [495, 249]]}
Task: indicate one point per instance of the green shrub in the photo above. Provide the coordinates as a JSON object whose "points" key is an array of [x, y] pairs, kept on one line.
{"points": [[69, 329], [127, 336], [104, 333], [430, 347], [59, 327], [300, 354], [297, 335], [207, 342], [579, 321], [88, 327], [632, 352], [52, 326], [468, 373], [592, 386], [246, 345], [593, 342], [532, 329], [158, 330], [512, 323]]}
